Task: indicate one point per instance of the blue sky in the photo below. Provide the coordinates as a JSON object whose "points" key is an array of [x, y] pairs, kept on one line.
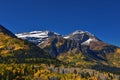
{"points": [[100, 17]]}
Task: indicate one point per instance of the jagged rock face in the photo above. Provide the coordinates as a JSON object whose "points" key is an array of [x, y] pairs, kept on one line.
{"points": [[83, 42], [53, 45]]}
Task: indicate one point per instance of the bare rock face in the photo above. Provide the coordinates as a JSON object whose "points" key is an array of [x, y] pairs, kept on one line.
{"points": [[78, 42]]}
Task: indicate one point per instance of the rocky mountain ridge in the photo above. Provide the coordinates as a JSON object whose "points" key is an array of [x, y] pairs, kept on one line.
{"points": [[78, 46]]}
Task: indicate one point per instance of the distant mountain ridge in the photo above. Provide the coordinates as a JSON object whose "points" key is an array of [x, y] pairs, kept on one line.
{"points": [[39, 37]]}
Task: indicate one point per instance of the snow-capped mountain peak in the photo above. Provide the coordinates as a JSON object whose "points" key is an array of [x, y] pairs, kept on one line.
{"points": [[81, 32], [78, 32], [36, 37], [84, 37]]}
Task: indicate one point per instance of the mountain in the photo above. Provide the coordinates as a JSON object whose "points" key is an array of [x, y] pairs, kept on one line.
{"points": [[79, 47], [36, 37], [11, 46], [83, 36]]}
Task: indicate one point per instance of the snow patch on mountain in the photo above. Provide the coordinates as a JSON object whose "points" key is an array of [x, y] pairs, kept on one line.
{"points": [[37, 34], [87, 42], [67, 37], [78, 32]]}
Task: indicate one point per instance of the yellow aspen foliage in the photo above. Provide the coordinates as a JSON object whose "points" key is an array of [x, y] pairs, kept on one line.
{"points": [[93, 78], [118, 51]]}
